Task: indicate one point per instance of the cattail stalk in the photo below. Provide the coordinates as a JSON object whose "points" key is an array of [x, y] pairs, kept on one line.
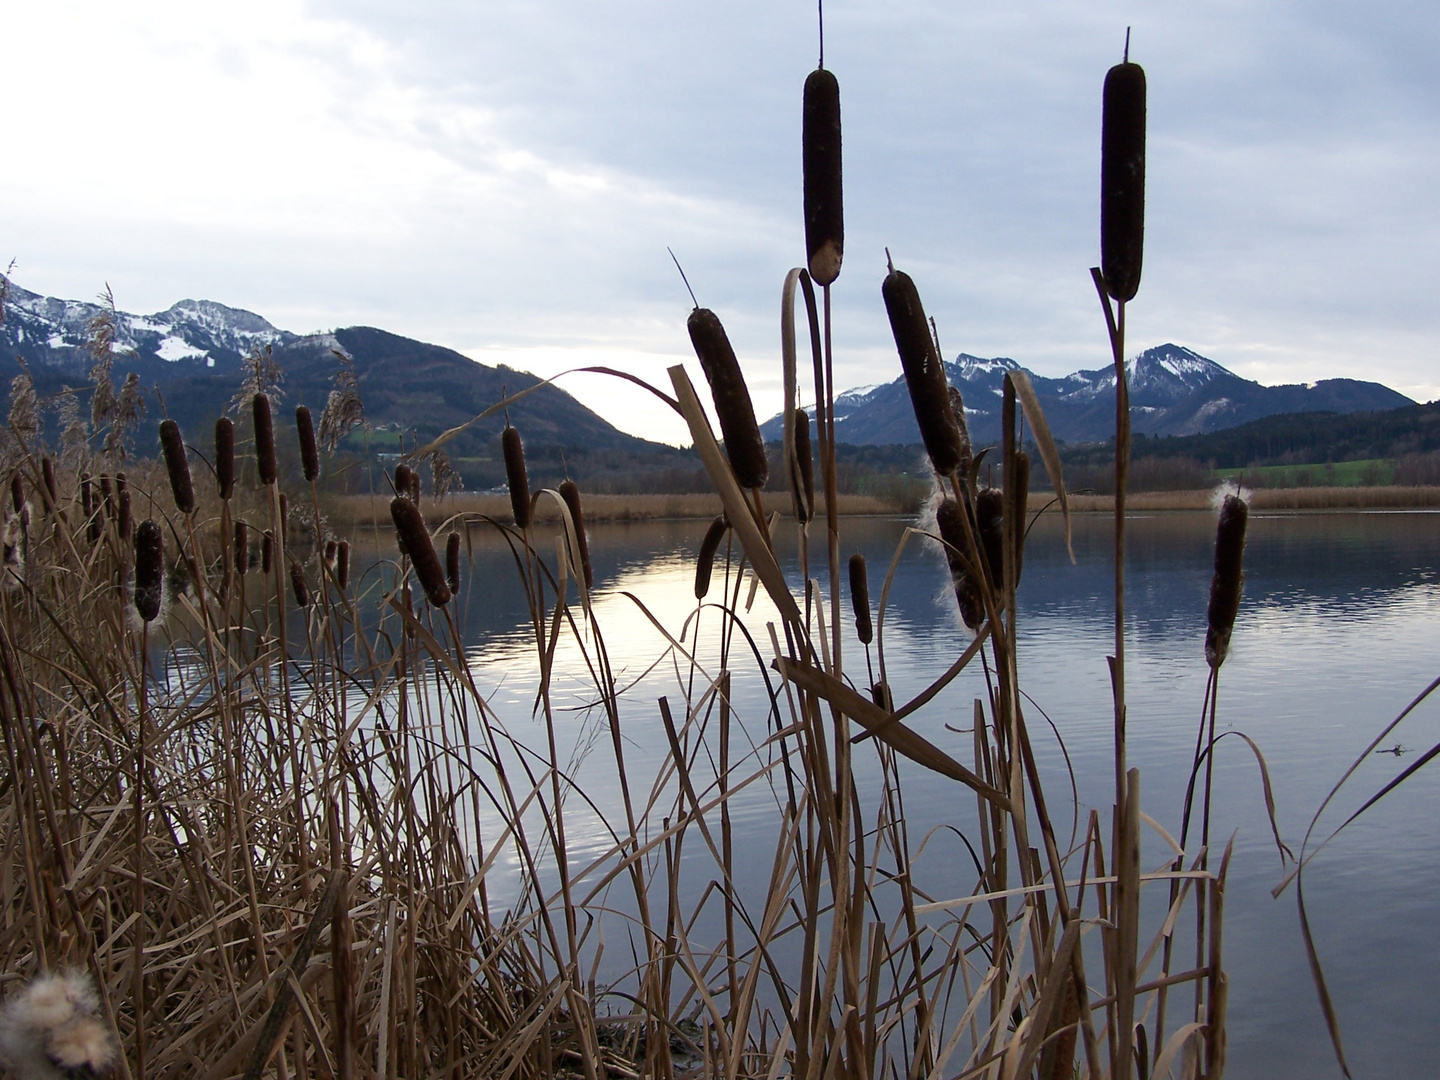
{"points": [[225, 456], [410, 529], [264, 439], [860, 598], [452, 562], [571, 494], [178, 466], [1229, 579], [1122, 180], [706, 562], [924, 373], [743, 444], [309, 454], [515, 475], [149, 570], [824, 204]]}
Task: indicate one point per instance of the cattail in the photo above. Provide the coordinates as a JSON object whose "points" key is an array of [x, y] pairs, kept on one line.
{"points": [[264, 440], [1229, 578], [880, 695], [309, 455], [452, 562], [957, 408], [410, 529], [298, 587], [242, 547], [17, 492], [824, 207], [330, 548], [415, 486], [404, 481], [706, 562], [804, 496], [126, 523], [107, 497], [87, 506], [149, 569], [1122, 180], [178, 466], [47, 474], [267, 553], [52, 1029], [571, 494], [121, 483], [990, 531], [924, 373], [860, 598], [342, 564], [967, 589], [743, 444], [225, 456], [514, 451]]}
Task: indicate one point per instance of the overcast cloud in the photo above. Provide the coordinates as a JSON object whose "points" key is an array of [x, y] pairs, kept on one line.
{"points": [[504, 178]]}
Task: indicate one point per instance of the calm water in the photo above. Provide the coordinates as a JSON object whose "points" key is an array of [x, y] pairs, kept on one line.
{"points": [[1338, 631]]}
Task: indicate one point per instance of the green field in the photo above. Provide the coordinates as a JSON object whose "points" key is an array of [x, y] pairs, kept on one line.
{"points": [[1370, 472]]}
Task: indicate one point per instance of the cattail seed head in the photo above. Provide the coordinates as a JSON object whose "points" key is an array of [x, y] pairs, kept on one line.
{"points": [[410, 529], [571, 494], [1229, 578], [178, 466], [880, 695], [860, 598], [957, 409], [743, 444], [47, 474], [804, 495], [404, 481], [452, 562], [126, 522], [121, 483], [267, 553], [107, 497], [264, 439], [242, 547], [706, 562], [990, 531], [225, 456], [515, 476], [342, 565], [17, 492], [298, 586], [924, 373], [967, 587], [309, 455], [824, 205], [330, 548], [149, 569], [415, 486], [1122, 180]]}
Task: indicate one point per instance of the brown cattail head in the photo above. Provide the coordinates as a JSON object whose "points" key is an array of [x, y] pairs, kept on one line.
{"points": [[957, 408], [802, 485], [107, 496], [149, 569], [410, 530], [924, 373], [298, 586], [990, 531], [225, 456], [47, 474], [404, 481], [743, 444], [824, 206], [17, 493], [178, 466], [515, 476], [571, 494], [415, 486], [267, 553], [967, 587], [264, 439], [330, 548], [309, 455], [860, 598], [880, 695], [242, 547], [126, 522], [706, 562], [342, 564], [1122, 180], [1229, 578], [452, 562]]}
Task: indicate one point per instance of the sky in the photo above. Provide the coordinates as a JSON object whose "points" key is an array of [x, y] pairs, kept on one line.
{"points": [[504, 177]]}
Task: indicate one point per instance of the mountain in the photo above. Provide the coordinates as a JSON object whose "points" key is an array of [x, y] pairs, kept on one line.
{"points": [[1173, 391], [190, 358]]}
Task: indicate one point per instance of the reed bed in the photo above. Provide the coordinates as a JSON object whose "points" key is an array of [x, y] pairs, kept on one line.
{"points": [[1318, 498]]}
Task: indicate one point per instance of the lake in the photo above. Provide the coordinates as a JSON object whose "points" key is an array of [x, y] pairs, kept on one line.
{"points": [[1338, 631]]}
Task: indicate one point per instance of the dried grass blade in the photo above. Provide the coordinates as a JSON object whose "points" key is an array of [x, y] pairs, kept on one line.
{"points": [[1040, 431]]}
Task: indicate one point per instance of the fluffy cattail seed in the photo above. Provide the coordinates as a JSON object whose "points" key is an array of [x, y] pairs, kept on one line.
{"points": [[804, 496], [1122, 180], [225, 456], [309, 455], [126, 522], [52, 1029], [706, 562], [267, 553], [47, 473], [178, 466], [860, 598], [298, 587], [410, 529], [242, 547], [342, 564], [264, 439], [743, 444], [1229, 578], [149, 569], [967, 589], [515, 476], [452, 562], [824, 207], [571, 494], [924, 373]]}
